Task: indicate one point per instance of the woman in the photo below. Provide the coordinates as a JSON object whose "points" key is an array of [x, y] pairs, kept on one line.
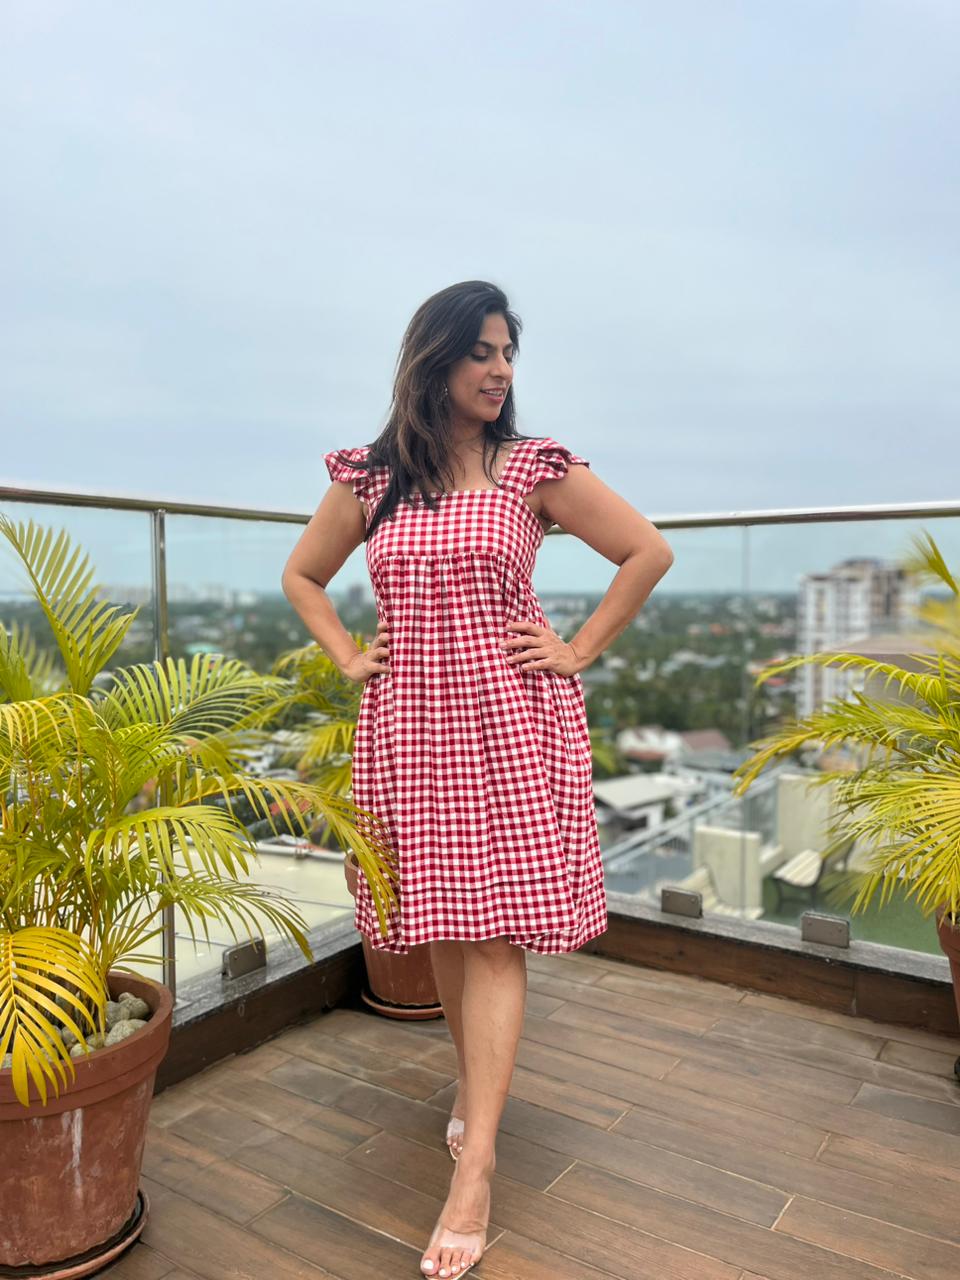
{"points": [[472, 743]]}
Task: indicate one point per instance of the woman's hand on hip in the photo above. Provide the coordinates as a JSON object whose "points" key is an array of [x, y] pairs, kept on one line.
{"points": [[372, 661], [536, 648]]}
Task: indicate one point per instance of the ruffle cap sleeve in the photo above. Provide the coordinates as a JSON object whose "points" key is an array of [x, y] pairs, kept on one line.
{"points": [[549, 460], [339, 464]]}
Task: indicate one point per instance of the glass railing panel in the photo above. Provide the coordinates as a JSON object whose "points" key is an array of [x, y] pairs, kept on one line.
{"points": [[846, 590], [667, 704], [223, 588], [118, 545], [314, 882], [224, 596]]}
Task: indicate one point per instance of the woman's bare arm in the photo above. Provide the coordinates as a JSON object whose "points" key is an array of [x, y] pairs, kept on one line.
{"points": [[334, 532], [584, 506]]}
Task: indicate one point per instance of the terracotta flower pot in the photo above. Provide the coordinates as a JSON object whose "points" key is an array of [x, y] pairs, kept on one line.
{"points": [[949, 934], [400, 986], [70, 1169]]}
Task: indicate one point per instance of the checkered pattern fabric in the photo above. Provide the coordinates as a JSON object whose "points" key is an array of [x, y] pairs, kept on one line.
{"points": [[481, 772]]}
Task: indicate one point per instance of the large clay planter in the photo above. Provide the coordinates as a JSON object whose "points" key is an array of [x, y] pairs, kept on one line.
{"points": [[400, 986], [949, 935], [70, 1170]]}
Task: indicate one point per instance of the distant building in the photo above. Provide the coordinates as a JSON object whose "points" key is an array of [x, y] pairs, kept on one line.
{"points": [[641, 801], [653, 744], [835, 610]]}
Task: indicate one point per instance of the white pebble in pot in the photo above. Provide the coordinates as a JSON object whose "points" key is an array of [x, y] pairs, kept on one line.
{"points": [[136, 1008], [124, 1029], [116, 1012]]}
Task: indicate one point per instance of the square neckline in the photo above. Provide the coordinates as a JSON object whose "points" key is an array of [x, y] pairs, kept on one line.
{"points": [[497, 488]]}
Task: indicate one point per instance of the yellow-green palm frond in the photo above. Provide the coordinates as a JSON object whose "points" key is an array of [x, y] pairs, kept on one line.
{"points": [[26, 672], [931, 688], [167, 837], [45, 973], [205, 898], [910, 821], [39, 729], [926, 561], [858, 720], [354, 828], [310, 666], [87, 630], [213, 694], [319, 741]]}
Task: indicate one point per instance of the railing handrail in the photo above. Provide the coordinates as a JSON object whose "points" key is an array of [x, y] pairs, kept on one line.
{"points": [[702, 520]]}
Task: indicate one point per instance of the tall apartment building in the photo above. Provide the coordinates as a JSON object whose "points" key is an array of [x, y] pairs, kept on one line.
{"points": [[854, 600]]}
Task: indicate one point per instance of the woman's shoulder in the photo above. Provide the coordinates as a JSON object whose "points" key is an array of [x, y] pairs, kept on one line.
{"points": [[351, 463], [545, 458]]}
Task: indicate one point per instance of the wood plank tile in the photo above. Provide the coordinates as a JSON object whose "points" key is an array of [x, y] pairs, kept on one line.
{"points": [[336, 1242], [568, 1099], [908, 1253], [168, 1159], [667, 988], [889, 1030], [176, 1102], [774, 1026], [647, 1164], [541, 1005], [855, 1122], [382, 1204], [277, 1108], [578, 968], [626, 1083], [918, 1205], [515, 1256], [652, 1115], [410, 1041], [799, 1077], [426, 1124], [565, 1230], [212, 1248], [257, 1061], [716, 1115], [597, 1047], [219, 1129], [733, 1241], [232, 1191], [634, 1005], [918, 1058], [859, 1155], [140, 1262], [796, 1048], [364, 1063], [944, 1116]]}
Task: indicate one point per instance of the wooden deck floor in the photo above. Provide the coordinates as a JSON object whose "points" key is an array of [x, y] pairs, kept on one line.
{"points": [[660, 1127]]}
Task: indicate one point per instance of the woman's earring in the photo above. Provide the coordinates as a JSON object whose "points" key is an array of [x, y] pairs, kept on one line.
{"points": [[444, 393]]}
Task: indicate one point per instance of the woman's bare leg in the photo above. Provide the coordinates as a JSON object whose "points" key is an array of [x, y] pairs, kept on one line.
{"points": [[492, 1008], [447, 960]]}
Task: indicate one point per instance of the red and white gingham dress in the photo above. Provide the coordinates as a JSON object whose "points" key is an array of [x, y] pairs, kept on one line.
{"points": [[481, 772]]}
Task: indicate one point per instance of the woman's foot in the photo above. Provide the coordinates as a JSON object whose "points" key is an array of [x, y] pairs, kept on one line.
{"points": [[455, 1125], [460, 1236]]}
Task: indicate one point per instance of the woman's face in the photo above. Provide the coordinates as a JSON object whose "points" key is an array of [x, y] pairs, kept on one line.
{"points": [[487, 369]]}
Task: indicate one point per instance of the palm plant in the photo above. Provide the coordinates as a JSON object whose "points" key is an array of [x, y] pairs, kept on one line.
{"points": [[109, 809], [902, 798], [320, 743]]}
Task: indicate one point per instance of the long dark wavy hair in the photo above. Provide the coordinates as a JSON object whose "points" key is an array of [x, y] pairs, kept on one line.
{"points": [[416, 443]]}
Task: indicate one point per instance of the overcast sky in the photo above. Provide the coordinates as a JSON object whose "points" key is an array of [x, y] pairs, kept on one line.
{"points": [[730, 229]]}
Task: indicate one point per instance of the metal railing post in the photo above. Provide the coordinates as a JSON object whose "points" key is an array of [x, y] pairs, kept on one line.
{"points": [[161, 649]]}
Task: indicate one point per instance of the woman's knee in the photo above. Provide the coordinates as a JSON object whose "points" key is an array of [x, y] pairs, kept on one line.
{"points": [[494, 950]]}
